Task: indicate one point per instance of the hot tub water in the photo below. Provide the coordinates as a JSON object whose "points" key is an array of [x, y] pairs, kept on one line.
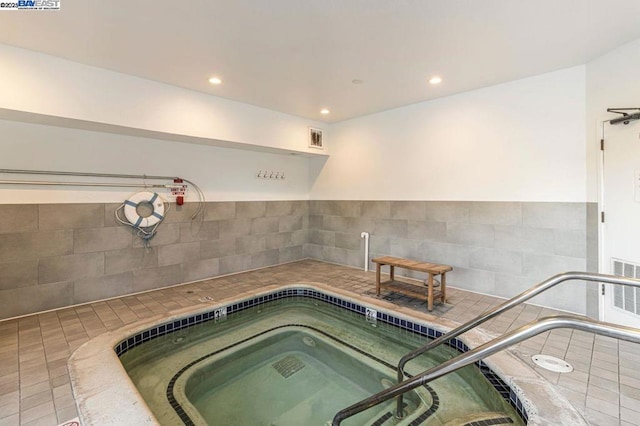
{"points": [[298, 361]]}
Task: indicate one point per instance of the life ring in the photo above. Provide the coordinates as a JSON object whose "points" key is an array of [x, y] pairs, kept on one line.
{"points": [[131, 212]]}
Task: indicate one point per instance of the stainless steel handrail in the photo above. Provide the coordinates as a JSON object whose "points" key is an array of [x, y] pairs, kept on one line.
{"points": [[514, 301], [525, 332], [492, 313]]}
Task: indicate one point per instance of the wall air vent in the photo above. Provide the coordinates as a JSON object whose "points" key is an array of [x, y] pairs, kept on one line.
{"points": [[625, 297]]}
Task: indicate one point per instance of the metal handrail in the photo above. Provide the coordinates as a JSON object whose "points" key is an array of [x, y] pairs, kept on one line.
{"points": [[514, 301], [525, 332], [492, 313]]}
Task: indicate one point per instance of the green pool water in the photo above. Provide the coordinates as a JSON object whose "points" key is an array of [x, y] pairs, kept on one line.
{"points": [[295, 374], [297, 362]]}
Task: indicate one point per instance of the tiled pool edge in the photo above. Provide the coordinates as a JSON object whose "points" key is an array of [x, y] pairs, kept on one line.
{"points": [[212, 315], [509, 388]]}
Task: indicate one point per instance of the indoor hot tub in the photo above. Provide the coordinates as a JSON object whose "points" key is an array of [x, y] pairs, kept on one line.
{"points": [[297, 355]]}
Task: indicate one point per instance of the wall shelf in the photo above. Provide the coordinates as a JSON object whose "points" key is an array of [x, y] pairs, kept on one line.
{"points": [[73, 123]]}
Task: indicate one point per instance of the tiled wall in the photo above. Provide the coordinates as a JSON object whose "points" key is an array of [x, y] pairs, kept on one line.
{"points": [[54, 255], [593, 218], [498, 248]]}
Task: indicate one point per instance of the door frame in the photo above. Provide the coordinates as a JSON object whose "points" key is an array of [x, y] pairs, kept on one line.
{"points": [[604, 265], [600, 125]]}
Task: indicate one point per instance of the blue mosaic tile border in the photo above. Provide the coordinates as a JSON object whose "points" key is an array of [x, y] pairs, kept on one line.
{"points": [[169, 327]]}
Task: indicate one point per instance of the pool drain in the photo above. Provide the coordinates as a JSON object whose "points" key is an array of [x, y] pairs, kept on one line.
{"points": [[288, 366], [552, 363]]}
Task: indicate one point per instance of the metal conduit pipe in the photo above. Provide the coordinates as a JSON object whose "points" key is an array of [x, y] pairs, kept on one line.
{"points": [[525, 332], [84, 174], [514, 301], [199, 210], [48, 183]]}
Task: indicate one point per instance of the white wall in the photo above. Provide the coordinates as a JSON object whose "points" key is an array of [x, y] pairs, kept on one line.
{"points": [[522, 140], [223, 174], [519, 141], [613, 81], [41, 84]]}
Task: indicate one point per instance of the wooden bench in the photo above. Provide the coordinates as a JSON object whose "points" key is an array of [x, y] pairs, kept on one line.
{"points": [[413, 290]]}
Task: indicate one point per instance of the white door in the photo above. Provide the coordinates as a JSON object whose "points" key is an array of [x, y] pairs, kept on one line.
{"points": [[620, 201]]}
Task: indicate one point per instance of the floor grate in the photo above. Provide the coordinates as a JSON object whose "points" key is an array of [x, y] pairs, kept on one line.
{"points": [[288, 366]]}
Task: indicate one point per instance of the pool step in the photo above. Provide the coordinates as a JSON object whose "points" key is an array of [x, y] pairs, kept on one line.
{"points": [[482, 419], [386, 416]]}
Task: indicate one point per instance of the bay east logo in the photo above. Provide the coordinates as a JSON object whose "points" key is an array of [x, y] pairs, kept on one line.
{"points": [[30, 5]]}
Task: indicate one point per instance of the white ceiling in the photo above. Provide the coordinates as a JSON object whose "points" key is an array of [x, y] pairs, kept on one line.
{"points": [[298, 56]]}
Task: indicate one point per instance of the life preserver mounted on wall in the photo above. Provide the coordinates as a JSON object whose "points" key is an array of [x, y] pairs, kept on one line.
{"points": [[131, 209]]}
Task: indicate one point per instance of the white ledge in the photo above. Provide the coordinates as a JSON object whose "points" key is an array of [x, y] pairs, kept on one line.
{"points": [[74, 123]]}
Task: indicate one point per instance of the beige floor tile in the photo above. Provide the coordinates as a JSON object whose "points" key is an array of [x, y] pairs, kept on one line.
{"points": [[58, 371], [48, 420], [44, 410], [9, 407], [9, 378], [34, 389], [630, 381], [571, 383], [630, 416], [55, 335], [605, 374], [29, 402], [34, 375], [9, 387], [630, 371], [610, 396], [34, 362], [577, 399], [579, 366], [12, 420], [608, 408], [64, 402], [630, 403], [67, 413], [60, 380], [596, 418]]}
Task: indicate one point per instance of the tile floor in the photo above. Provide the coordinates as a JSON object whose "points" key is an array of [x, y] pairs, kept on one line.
{"points": [[35, 388]]}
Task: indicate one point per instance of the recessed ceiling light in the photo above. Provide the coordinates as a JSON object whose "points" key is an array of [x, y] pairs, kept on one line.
{"points": [[356, 81], [435, 80], [324, 111], [215, 80]]}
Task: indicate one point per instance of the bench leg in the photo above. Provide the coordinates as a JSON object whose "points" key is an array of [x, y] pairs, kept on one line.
{"points": [[443, 287], [430, 293], [377, 279]]}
